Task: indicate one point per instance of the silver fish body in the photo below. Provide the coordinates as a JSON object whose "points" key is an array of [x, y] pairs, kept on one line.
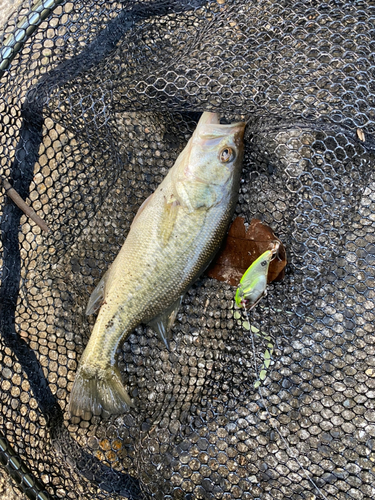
{"points": [[172, 239]]}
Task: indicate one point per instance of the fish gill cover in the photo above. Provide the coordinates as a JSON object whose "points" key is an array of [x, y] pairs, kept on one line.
{"points": [[96, 103]]}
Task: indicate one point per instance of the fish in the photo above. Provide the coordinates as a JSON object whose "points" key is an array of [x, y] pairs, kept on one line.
{"points": [[172, 239]]}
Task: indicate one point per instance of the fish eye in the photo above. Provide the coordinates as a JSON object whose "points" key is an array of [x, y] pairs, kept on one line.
{"points": [[226, 155]]}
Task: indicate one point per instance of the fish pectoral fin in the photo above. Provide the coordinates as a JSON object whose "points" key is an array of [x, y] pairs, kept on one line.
{"points": [[196, 194], [163, 323], [97, 297], [168, 219]]}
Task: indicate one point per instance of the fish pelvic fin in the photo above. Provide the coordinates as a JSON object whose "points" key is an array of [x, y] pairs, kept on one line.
{"points": [[97, 297], [98, 391]]}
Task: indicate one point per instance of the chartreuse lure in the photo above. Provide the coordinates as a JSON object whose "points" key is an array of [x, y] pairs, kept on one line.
{"points": [[253, 283], [251, 289]]}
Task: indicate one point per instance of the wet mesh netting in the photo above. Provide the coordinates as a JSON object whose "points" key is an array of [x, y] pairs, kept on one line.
{"points": [[96, 102]]}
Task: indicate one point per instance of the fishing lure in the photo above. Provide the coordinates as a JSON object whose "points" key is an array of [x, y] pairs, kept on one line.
{"points": [[253, 283], [251, 289]]}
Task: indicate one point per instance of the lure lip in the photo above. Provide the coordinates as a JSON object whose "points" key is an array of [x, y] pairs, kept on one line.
{"points": [[275, 249]]}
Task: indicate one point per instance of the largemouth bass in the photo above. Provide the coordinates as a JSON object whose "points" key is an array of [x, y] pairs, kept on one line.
{"points": [[172, 239]]}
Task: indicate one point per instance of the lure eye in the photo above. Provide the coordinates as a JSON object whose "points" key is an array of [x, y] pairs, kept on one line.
{"points": [[226, 155]]}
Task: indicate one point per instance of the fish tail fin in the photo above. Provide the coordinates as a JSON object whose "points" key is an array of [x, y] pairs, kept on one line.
{"points": [[98, 391]]}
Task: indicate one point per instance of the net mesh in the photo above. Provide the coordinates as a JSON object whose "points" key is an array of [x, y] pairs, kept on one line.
{"points": [[93, 112]]}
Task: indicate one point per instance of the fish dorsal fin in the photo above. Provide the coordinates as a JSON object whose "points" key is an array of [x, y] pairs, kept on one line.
{"points": [[163, 323], [142, 207], [97, 297]]}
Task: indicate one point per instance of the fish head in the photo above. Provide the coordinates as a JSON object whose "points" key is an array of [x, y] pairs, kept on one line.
{"points": [[215, 151]]}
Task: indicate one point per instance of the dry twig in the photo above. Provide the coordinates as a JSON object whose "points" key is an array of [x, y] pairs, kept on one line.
{"points": [[13, 195]]}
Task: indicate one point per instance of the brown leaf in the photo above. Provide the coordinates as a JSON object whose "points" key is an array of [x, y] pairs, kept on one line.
{"points": [[241, 248]]}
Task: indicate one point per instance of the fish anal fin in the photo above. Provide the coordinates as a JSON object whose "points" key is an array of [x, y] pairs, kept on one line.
{"points": [[163, 323], [97, 297]]}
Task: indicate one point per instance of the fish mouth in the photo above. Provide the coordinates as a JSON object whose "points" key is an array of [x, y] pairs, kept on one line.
{"points": [[210, 130], [208, 118]]}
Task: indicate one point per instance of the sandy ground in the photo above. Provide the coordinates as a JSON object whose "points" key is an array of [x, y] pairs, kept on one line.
{"points": [[7, 492], [6, 7]]}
